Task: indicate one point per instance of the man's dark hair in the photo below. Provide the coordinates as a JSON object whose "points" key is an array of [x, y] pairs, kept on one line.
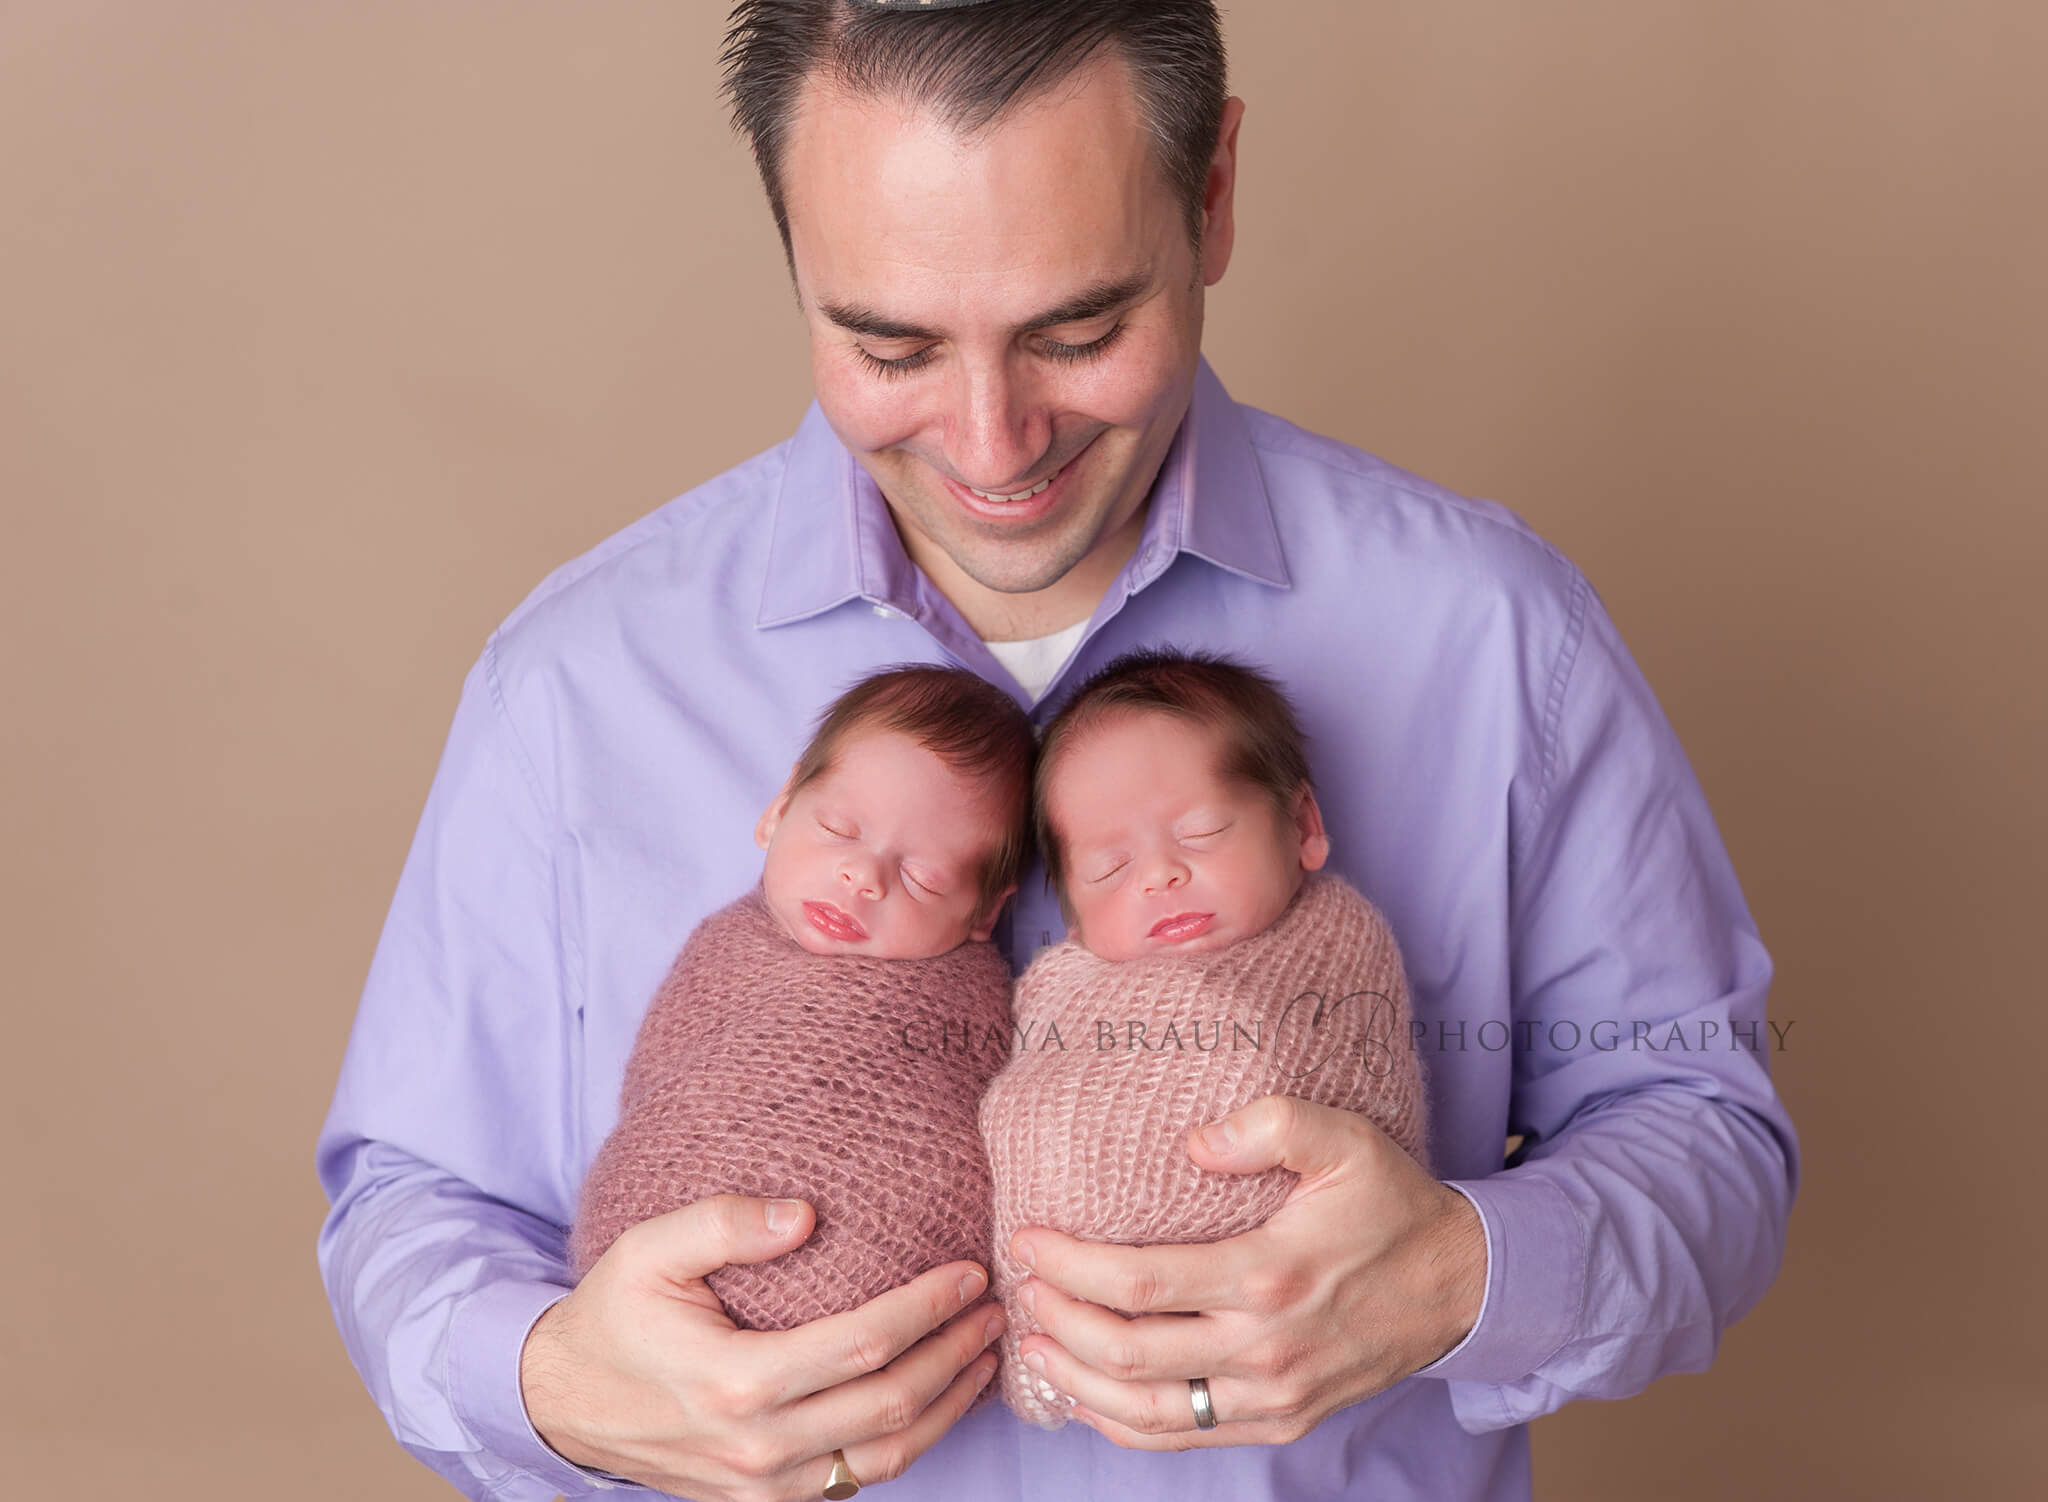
{"points": [[971, 64], [961, 718], [1263, 742]]}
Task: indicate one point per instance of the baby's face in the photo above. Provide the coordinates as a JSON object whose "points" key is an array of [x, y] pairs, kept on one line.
{"points": [[1164, 855], [882, 854]]}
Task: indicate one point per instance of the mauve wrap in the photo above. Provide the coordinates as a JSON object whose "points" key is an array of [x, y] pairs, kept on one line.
{"points": [[761, 1068], [1093, 1141]]}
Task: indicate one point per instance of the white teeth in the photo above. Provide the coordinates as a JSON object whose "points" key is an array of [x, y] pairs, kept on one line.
{"points": [[1022, 495]]}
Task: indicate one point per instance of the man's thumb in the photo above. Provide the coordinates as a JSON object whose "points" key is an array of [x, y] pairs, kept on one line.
{"points": [[722, 1230], [1279, 1131]]}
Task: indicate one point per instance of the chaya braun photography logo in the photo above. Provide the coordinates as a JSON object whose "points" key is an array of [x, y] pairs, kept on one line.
{"points": [[1376, 1039], [1201, 1035]]}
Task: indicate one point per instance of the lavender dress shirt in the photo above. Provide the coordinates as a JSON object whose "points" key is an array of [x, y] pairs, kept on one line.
{"points": [[1495, 774]]}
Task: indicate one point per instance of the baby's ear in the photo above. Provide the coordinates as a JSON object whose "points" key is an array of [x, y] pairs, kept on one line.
{"points": [[986, 923], [765, 826], [1308, 824]]}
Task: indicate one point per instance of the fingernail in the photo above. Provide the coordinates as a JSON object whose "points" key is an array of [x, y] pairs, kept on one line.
{"points": [[1028, 1297], [1036, 1362], [1027, 1253], [782, 1214], [1220, 1136], [988, 1370], [993, 1328], [970, 1285]]}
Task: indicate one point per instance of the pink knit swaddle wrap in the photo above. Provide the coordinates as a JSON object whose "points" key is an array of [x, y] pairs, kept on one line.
{"points": [[1092, 1140], [761, 1068]]}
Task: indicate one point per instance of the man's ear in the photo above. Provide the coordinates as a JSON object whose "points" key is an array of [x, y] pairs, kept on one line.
{"points": [[1308, 826], [1219, 197], [994, 910], [771, 817]]}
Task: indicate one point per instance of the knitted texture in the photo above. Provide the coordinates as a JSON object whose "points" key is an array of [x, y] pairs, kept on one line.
{"points": [[1089, 1136], [761, 1068]]}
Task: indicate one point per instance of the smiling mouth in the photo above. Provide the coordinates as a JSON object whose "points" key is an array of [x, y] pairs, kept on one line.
{"points": [[1022, 495], [832, 922], [1182, 926], [1019, 506], [1017, 497]]}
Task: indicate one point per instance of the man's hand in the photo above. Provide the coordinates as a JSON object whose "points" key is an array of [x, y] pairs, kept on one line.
{"points": [[1371, 1270], [639, 1371]]}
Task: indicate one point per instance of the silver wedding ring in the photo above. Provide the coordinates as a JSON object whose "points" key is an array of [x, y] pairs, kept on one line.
{"points": [[1205, 1411]]}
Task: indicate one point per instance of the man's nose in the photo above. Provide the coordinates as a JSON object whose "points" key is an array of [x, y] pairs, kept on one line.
{"points": [[1000, 428]]}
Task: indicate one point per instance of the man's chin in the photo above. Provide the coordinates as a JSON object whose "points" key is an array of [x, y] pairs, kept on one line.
{"points": [[1001, 575], [1021, 560]]}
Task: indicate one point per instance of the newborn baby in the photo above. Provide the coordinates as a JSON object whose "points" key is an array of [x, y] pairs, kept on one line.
{"points": [[777, 1057], [1209, 961]]}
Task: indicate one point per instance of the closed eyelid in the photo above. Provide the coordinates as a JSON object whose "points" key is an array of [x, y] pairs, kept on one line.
{"points": [[1081, 331]]}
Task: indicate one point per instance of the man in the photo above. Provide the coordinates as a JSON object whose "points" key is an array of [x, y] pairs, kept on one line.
{"points": [[1001, 218]]}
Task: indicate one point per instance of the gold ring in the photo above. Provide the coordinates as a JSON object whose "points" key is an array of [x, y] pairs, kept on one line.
{"points": [[842, 1482]]}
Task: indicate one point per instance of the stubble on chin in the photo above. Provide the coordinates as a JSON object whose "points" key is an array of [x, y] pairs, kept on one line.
{"points": [[1020, 563]]}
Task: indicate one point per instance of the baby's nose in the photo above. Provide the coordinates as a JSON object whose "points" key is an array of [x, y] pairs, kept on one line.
{"points": [[1167, 877]]}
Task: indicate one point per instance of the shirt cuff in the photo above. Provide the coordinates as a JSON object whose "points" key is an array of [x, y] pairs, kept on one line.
{"points": [[1536, 1250], [486, 1336]]}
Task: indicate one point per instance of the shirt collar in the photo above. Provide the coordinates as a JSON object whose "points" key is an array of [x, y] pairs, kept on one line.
{"points": [[834, 540]]}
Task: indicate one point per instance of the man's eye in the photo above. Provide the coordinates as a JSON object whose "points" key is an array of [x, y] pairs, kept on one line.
{"points": [[1054, 350], [898, 367], [1094, 348]]}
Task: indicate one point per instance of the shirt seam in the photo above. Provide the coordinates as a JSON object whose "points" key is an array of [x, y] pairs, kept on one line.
{"points": [[528, 773], [1560, 682], [571, 953], [642, 531], [1391, 480]]}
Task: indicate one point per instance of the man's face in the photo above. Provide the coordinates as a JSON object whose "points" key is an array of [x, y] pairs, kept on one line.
{"points": [[994, 313]]}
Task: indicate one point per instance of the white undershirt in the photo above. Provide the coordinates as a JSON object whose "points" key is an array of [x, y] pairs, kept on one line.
{"points": [[1033, 663]]}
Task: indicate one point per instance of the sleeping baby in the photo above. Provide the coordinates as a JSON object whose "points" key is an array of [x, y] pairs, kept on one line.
{"points": [[1209, 960], [773, 1059]]}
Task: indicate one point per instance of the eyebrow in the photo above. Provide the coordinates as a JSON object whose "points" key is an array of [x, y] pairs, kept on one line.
{"points": [[1090, 303]]}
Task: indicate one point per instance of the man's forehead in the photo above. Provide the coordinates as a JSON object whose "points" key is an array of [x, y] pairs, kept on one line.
{"points": [[895, 214], [1089, 122]]}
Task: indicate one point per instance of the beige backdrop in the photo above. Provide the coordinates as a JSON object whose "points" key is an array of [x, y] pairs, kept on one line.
{"points": [[327, 329]]}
